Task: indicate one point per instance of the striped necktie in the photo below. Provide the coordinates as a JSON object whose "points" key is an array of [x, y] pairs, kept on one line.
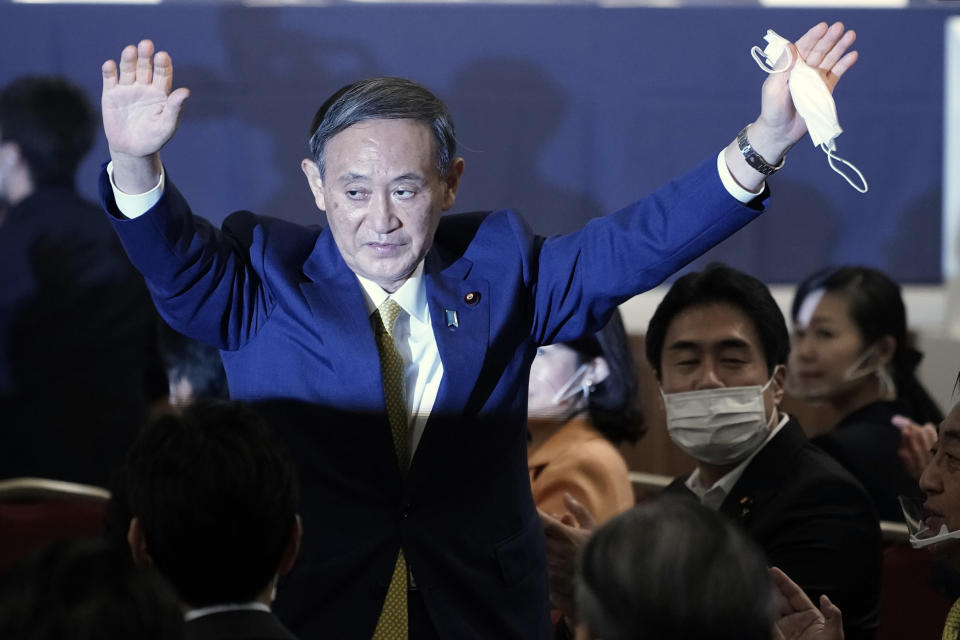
{"points": [[392, 624]]}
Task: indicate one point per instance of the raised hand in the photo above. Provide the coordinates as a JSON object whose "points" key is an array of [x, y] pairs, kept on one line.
{"points": [[916, 444], [566, 535], [779, 126], [799, 618], [824, 49], [140, 113]]}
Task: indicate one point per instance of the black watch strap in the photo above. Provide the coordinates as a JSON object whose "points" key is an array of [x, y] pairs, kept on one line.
{"points": [[753, 158]]}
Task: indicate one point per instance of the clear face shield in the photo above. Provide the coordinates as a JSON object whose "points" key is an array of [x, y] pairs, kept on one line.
{"points": [[923, 534]]}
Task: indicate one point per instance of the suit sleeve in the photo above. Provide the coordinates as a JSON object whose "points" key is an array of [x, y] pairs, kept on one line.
{"points": [[579, 278], [206, 283]]}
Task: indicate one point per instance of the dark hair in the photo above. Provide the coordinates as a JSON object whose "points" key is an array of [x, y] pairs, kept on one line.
{"points": [[389, 99], [86, 589], [613, 404], [876, 307], [196, 362], [52, 122], [216, 493], [674, 569], [720, 284]]}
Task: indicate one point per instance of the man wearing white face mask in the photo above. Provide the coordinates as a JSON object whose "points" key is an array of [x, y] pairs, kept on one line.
{"points": [[719, 344]]}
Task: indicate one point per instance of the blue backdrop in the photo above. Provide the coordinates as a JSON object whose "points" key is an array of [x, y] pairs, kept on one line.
{"points": [[563, 112]]}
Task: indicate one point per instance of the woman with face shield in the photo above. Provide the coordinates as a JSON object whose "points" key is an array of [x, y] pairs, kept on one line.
{"points": [[581, 403], [851, 353]]}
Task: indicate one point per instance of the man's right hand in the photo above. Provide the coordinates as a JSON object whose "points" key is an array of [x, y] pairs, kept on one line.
{"points": [[140, 114]]}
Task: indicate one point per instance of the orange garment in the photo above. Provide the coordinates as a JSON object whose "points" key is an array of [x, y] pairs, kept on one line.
{"points": [[578, 460]]}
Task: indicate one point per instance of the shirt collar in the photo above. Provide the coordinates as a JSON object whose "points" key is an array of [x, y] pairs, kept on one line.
{"points": [[193, 614], [411, 296], [727, 482]]}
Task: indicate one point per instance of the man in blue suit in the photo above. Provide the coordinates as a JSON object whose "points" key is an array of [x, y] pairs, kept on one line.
{"points": [[392, 311]]}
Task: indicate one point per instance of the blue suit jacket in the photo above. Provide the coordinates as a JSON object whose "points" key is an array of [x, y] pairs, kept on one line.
{"points": [[289, 315]]}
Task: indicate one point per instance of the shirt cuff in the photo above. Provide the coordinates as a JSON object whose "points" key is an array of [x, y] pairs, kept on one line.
{"points": [[135, 205], [730, 184]]}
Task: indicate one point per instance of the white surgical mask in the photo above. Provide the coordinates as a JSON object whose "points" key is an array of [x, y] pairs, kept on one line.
{"points": [[812, 99], [920, 534], [719, 426], [570, 388], [825, 388]]}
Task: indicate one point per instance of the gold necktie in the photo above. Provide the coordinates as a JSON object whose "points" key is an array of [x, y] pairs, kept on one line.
{"points": [[392, 624], [951, 628]]}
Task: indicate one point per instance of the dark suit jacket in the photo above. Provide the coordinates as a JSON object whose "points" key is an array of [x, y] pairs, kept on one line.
{"points": [[290, 317], [866, 444], [237, 625], [77, 336], [814, 521]]}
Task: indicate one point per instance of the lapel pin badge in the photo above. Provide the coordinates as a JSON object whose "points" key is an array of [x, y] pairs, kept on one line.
{"points": [[746, 503], [472, 298], [452, 320]]}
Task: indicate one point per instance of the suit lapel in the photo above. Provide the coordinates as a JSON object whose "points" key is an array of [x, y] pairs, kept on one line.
{"points": [[760, 481], [340, 319], [460, 314]]}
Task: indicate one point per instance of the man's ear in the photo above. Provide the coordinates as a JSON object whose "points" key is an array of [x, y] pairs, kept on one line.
{"points": [[451, 182], [778, 384], [312, 172], [137, 540], [292, 550]]}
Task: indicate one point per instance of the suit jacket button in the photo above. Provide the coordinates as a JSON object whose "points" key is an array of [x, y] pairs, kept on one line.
{"points": [[472, 297]]}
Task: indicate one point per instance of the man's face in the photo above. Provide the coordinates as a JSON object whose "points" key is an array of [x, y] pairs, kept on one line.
{"points": [[713, 346], [941, 480], [383, 196]]}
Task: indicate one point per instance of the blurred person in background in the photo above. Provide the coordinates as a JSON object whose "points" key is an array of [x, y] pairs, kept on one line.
{"points": [[194, 369], [86, 590], [78, 363], [582, 403], [852, 353]]}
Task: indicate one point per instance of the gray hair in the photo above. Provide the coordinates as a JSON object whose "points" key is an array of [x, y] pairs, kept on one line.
{"points": [[383, 98], [674, 569]]}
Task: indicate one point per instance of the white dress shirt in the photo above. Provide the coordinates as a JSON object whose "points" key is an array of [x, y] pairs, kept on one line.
{"points": [[193, 614], [413, 336]]}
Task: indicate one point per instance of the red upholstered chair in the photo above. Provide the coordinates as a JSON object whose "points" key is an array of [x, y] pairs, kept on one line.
{"points": [[909, 606], [35, 512]]}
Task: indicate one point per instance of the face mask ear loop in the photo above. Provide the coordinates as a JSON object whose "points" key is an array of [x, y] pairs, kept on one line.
{"points": [[764, 62], [568, 390], [831, 157]]}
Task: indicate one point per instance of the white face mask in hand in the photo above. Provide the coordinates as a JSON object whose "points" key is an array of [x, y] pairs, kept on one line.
{"points": [[812, 99]]}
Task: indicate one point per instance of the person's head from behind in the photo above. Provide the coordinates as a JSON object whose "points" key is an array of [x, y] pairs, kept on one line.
{"points": [[47, 125], [850, 343], [383, 168], [213, 496], [673, 569], [86, 589], [595, 374], [718, 344]]}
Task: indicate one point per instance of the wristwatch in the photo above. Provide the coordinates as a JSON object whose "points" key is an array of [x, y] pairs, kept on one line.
{"points": [[753, 158]]}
